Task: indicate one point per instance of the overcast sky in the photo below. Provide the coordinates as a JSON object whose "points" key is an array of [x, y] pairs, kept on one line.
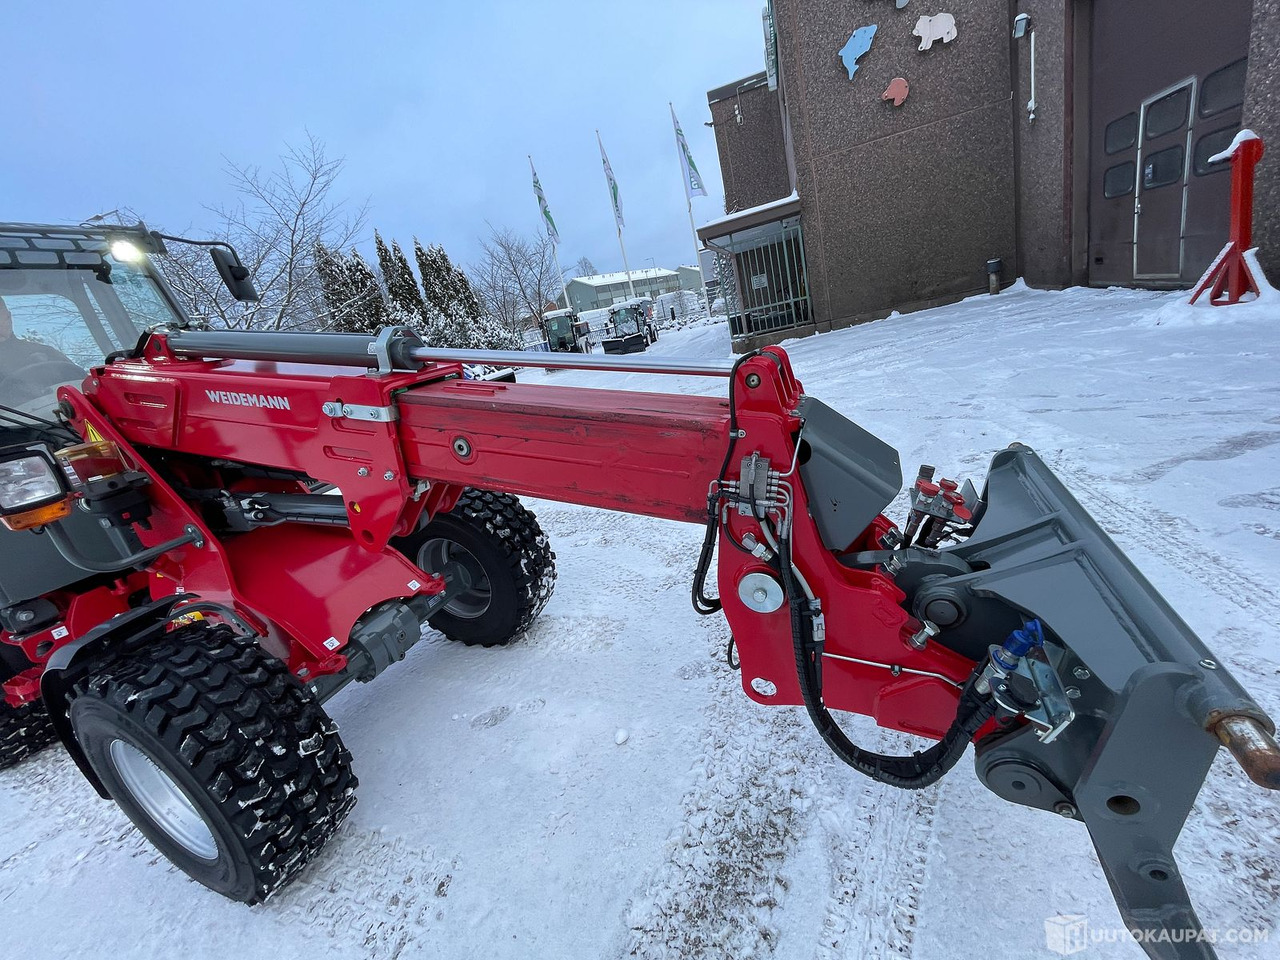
{"points": [[434, 105]]}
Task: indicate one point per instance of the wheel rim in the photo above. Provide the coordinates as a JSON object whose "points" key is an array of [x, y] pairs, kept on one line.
{"points": [[458, 565], [163, 801]]}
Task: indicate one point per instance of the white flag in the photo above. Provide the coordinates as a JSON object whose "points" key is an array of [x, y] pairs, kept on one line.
{"points": [[693, 185], [550, 224], [614, 197]]}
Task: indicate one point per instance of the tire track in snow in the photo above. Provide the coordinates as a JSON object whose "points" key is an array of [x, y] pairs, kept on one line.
{"points": [[365, 890], [765, 783], [726, 871], [378, 893], [878, 839]]}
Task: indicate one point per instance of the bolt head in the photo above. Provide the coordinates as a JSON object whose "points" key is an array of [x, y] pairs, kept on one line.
{"points": [[1073, 693], [362, 472], [760, 595], [1081, 673], [388, 475], [753, 380], [1062, 808], [1209, 664]]}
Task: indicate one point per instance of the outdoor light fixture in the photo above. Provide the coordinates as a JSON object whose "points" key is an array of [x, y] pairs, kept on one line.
{"points": [[125, 252], [1021, 25]]}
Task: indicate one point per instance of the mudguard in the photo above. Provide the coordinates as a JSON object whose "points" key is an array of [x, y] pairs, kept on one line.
{"points": [[1147, 694], [70, 663]]}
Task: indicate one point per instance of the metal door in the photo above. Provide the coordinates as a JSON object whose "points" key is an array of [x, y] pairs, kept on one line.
{"points": [[1160, 200]]}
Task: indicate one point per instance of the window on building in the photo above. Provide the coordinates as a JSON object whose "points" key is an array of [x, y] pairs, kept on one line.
{"points": [[1162, 168], [1223, 89], [1210, 145], [1169, 113], [1121, 134], [1118, 180]]}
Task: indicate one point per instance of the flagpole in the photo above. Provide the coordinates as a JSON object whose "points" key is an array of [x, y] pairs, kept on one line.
{"points": [[697, 254], [616, 217], [688, 198], [631, 286], [564, 284]]}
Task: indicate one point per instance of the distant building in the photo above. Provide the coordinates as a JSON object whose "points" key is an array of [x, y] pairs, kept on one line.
{"points": [[605, 289], [690, 279], [892, 189]]}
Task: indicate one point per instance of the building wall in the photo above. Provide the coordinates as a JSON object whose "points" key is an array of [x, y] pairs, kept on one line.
{"points": [[1043, 146], [747, 118], [1262, 115], [902, 206], [690, 278]]}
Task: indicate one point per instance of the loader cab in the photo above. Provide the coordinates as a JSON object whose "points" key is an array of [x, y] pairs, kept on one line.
{"points": [[566, 333], [631, 326], [67, 300]]}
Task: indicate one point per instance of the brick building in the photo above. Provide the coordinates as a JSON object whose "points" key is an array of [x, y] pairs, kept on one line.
{"points": [[847, 202]]}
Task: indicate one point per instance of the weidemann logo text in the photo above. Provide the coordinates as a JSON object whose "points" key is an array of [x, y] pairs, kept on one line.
{"points": [[248, 399]]}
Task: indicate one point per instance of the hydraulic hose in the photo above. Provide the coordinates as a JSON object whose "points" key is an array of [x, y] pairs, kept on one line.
{"points": [[703, 604], [912, 772]]}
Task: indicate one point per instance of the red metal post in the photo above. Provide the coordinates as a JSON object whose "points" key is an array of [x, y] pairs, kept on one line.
{"points": [[1229, 277]]}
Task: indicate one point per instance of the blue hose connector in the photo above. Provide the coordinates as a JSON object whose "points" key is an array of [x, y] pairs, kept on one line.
{"points": [[1017, 645]]}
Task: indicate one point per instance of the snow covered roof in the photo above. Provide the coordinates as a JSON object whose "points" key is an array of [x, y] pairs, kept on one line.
{"points": [[751, 217], [604, 279]]}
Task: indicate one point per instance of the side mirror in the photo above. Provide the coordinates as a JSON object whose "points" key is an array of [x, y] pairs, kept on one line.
{"points": [[234, 274]]}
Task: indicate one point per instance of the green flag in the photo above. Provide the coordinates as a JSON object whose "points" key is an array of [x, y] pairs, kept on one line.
{"points": [[693, 185], [614, 197], [547, 220]]}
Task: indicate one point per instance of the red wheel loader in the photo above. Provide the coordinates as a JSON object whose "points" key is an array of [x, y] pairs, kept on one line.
{"points": [[212, 532]]}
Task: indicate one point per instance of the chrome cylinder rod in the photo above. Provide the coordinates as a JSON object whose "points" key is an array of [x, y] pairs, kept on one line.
{"points": [[399, 349], [577, 361]]}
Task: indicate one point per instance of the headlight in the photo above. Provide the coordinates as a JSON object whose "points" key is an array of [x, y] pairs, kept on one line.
{"points": [[32, 491]]}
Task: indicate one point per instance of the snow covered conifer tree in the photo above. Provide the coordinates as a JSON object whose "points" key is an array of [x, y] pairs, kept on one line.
{"points": [[404, 298], [368, 309], [444, 327]]}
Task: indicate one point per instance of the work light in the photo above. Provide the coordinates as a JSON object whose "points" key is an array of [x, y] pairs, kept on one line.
{"points": [[126, 252], [32, 491]]}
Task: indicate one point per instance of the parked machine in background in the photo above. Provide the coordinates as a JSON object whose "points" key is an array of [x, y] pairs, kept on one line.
{"points": [[631, 326], [566, 333]]}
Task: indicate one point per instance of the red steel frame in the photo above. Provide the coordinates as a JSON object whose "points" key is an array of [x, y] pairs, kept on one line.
{"points": [[81, 612], [644, 453]]}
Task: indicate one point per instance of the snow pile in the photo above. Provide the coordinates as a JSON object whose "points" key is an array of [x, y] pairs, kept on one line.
{"points": [[1179, 311]]}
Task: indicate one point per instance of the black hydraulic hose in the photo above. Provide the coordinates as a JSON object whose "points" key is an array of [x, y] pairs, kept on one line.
{"points": [[703, 604], [913, 772]]}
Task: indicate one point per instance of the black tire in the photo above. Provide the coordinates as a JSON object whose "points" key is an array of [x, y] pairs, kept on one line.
{"points": [[493, 541], [24, 730], [265, 778]]}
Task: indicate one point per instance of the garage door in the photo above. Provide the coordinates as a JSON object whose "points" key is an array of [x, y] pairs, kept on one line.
{"points": [[1167, 84]]}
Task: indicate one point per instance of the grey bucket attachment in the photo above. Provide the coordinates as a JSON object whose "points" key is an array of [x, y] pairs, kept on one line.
{"points": [[1150, 700]]}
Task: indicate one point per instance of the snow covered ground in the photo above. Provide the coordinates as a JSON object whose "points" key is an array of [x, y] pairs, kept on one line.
{"points": [[500, 817]]}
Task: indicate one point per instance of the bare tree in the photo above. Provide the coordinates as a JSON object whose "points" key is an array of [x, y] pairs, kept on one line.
{"points": [[516, 277], [585, 267], [281, 218]]}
